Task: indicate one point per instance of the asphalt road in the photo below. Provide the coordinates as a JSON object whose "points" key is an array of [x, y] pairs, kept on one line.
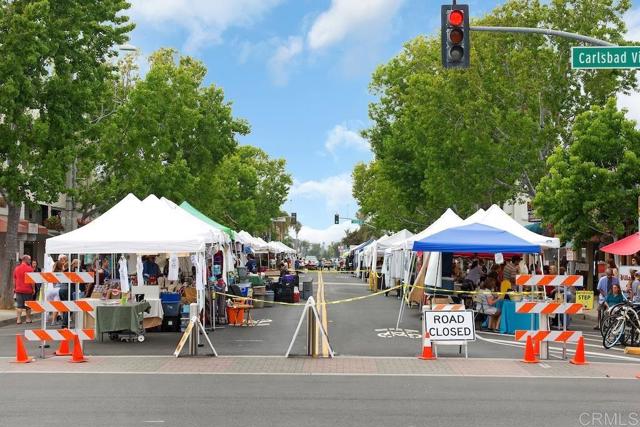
{"points": [[358, 328], [346, 401]]}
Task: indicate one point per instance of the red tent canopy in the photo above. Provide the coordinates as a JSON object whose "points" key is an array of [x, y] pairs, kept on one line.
{"points": [[627, 246]]}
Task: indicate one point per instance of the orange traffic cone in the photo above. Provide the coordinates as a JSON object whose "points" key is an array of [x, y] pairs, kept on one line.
{"points": [[529, 354], [77, 356], [427, 353], [21, 352], [64, 349], [536, 346], [579, 358]]}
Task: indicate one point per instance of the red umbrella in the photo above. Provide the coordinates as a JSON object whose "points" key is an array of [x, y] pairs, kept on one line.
{"points": [[627, 246]]}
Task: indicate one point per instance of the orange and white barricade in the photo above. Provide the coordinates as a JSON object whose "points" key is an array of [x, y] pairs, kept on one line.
{"points": [[548, 308], [61, 306], [544, 310], [59, 334], [447, 307], [60, 277], [549, 336], [575, 280]]}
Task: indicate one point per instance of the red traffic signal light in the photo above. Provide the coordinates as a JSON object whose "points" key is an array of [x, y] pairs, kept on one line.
{"points": [[456, 18], [455, 36]]}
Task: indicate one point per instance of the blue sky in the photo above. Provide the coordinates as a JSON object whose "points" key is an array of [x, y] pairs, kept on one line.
{"points": [[298, 71]]}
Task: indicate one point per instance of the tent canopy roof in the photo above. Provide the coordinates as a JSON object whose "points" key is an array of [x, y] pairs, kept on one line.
{"points": [[195, 212], [627, 246], [447, 220], [132, 226], [475, 238]]}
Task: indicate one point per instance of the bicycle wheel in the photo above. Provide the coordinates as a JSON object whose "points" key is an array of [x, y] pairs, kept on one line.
{"points": [[608, 317], [614, 333]]}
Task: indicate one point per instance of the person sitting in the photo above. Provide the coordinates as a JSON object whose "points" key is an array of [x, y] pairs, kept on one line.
{"points": [[615, 297], [488, 306], [474, 274]]}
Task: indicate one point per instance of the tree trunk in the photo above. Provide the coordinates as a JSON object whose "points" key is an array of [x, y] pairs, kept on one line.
{"points": [[8, 256]]}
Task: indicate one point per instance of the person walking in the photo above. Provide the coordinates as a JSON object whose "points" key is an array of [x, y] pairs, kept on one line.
{"points": [[23, 291], [36, 269]]}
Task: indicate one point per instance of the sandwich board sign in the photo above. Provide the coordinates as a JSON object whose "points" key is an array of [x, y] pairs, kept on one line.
{"points": [[449, 325]]}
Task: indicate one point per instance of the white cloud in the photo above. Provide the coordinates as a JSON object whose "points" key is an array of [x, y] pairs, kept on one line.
{"points": [[333, 233], [351, 17], [343, 137], [204, 20], [280, 64], [335, 191], [632, 101], [632, 19]]}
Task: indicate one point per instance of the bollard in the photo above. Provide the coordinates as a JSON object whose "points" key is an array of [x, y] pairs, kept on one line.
{"points": [[311, 334], [193, 339]]}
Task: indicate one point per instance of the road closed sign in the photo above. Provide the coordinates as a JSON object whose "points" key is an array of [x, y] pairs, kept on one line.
{"points": [[449, 325]]}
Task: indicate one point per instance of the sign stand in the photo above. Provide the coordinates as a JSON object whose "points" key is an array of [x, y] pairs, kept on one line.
{"points": [[467, 319], [191, 333], [313, 319]]}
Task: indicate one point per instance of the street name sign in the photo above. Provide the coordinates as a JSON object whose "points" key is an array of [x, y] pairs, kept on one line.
{"points": [[605, 57]]}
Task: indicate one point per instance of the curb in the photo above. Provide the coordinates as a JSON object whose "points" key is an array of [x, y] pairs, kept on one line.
{"points": [[12, 320]]}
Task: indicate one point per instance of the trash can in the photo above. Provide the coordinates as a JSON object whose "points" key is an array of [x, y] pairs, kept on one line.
{"points": [[307, 289], [268, 298]]}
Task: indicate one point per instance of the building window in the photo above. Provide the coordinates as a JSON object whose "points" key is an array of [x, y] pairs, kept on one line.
{"points": [[531, 214]]}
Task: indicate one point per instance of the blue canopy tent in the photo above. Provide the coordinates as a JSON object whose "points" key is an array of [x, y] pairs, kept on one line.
{"points": [[475, 238]]}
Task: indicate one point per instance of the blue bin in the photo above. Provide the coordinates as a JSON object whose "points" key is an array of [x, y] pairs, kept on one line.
{"points": [[171, 309], [169, 297]]}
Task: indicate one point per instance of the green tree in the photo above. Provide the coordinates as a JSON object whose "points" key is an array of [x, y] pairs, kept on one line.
{"points": [[247, 190], [167, 134], [56, 62], [469, 138], [592, 186]]}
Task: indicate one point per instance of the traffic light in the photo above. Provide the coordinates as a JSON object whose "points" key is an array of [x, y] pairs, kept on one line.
{"points": [[455, 36], [336, 219], [294, 218]]}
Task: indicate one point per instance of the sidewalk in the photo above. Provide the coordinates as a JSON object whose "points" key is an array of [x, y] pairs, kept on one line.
{"points": [[455, 367], [8, 317]]}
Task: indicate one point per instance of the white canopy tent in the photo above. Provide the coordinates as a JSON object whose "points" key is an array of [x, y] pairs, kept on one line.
{"points": [[131, 227], [496, 217]]}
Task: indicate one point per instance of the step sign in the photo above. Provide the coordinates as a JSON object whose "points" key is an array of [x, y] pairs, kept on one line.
{"points": [[449, 325], [605, 57]]}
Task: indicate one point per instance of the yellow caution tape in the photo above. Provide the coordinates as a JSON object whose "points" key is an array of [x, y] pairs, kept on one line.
{"points": [[317, 303]]}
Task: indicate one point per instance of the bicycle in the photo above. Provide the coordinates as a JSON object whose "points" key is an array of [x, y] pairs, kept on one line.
{"points": [[608, 317], [625, 322]]}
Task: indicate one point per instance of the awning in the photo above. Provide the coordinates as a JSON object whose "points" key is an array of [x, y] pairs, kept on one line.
{"points": [[195, 212], [475, 238], [627, 246]]}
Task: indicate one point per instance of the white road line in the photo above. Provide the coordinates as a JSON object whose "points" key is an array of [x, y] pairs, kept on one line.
{"points": [[559, 350], [326, 374]]}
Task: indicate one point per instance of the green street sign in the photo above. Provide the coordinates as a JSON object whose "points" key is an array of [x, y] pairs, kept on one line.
{"points": [[357, 221], [605, 57]]}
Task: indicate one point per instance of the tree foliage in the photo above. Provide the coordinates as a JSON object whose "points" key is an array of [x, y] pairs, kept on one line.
{"points": [[247, 190], [56, 62], [469, 138], [592, 186], [167, 134]]}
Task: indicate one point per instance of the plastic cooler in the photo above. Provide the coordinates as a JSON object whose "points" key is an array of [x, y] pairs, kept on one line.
{"points": [[169, 297]]}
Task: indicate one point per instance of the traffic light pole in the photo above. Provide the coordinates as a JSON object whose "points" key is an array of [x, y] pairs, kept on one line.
{"points": [[545, 31]]}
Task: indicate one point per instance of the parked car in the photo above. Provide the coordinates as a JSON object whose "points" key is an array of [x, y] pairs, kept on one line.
{"points": [[311, 262]]}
